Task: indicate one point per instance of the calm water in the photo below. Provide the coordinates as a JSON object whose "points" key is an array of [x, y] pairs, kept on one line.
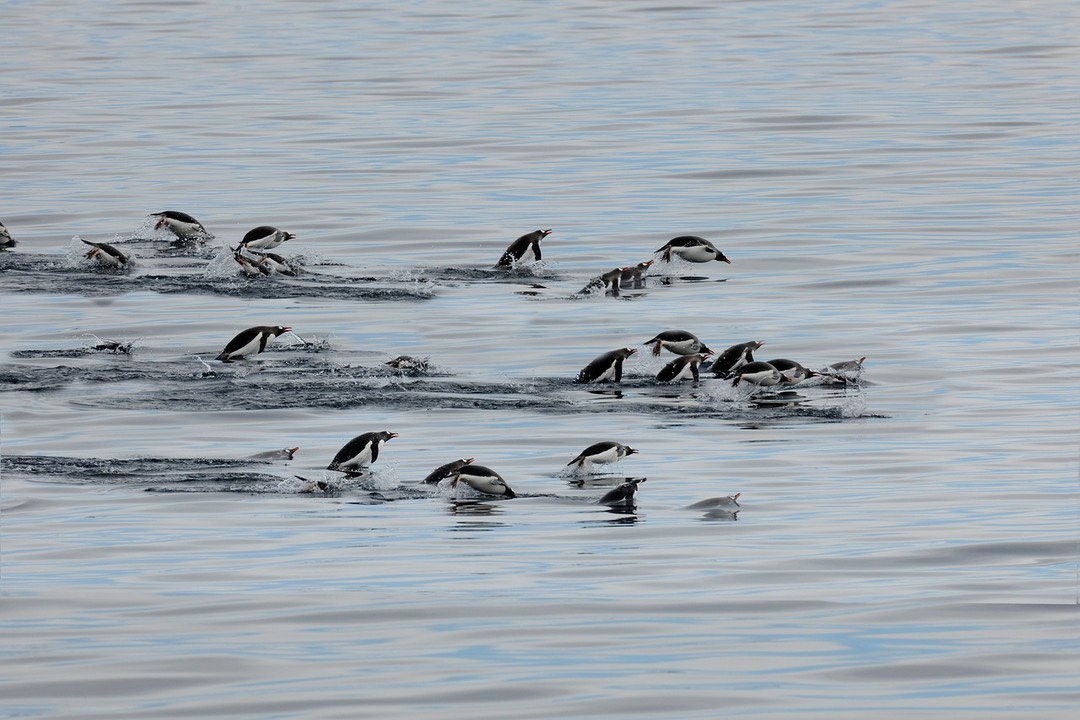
{"points": [[891, 180]]}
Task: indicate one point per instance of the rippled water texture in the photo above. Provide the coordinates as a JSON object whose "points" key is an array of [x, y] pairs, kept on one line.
{"points": [[894, 181]]}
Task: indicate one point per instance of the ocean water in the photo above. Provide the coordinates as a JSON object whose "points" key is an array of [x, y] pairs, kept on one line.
{"points": [[894, 181]]}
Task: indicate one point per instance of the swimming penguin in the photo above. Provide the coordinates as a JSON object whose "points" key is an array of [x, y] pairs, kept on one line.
{"points": [[846, 371], [757, 373], [791, 372], [106, 255], [361, 450], [608, 281], [634, 275], [683, 367], [274, 264], [482, 479], [710, 503], [250, 341], [602, 453], [679, 342], [408, 363], [265, 237], [523, 245], [447, 470], [6, 241], [250, 266], [622, 495], [734, 357], [282, 454], [606, 367], [692, 249], [180, 224]]}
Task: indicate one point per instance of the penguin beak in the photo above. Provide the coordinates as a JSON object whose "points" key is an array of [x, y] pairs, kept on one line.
{"points": [[633, 350], [468, 461], [292, 451], [288, 329], [393, 435], [546, 232]]}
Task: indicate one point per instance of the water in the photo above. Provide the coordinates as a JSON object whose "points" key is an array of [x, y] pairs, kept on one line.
{"points": [[891, 180]]}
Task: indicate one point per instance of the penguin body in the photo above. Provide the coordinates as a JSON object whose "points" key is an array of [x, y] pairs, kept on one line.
{"points": [[634, 275], [524, 245], [791, 372], [483, 480], [6, 241], [757, 373], [622, 495], [250, 266], [265, 237], [602, 453], [609, 281], [361, 450], [448, 470], [680, 342], [409, 363], [845, 372], [716, 502], [250, 342], [734, 357], [269, 455], [274, 264], [692, 249], [106, 255], [180, 224], [682, 367], [606, 367]]}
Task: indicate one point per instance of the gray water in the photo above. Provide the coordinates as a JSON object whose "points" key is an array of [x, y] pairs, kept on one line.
{"points": [[891, 180]]}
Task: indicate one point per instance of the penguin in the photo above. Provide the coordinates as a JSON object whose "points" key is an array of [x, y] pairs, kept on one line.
{"points": [[683, 367], [757, 373], [608, 281], [520, 247], [622, 495], [274, 264], [734, 357], [692, 249], [679, 342], [250, 341], [710, 503], [847, 371], [791, 372], [483, 480], [282, 454], [409, 363], [634, 275], [6, 241], [361, 450], [602, 453], [106, 255], [265, 237], [180, 224], [606, 367], [250, 266], [444, 471]]}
